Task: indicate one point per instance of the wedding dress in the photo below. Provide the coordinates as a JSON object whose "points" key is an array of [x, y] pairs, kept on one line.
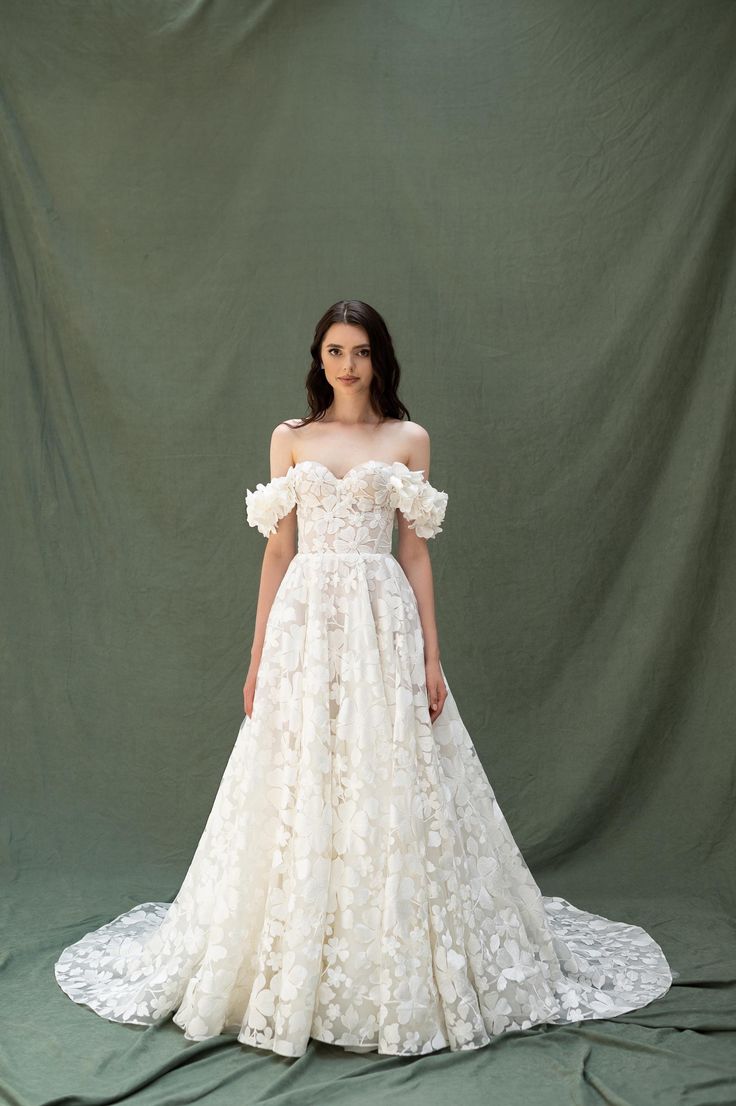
{"points": [[356, 881]]}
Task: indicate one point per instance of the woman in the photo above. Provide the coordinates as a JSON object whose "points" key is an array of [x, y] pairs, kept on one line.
{"points": [[356, 881]]}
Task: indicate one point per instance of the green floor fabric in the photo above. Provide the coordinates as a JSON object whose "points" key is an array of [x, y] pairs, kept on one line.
{"points": [[539, 198]]}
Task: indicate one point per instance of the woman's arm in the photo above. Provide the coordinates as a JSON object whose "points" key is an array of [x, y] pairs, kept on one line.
{"points": [[280, 547], [413, 556]]}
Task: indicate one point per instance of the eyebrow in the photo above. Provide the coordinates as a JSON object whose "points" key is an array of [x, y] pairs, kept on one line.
{"points": [[361, 345]]}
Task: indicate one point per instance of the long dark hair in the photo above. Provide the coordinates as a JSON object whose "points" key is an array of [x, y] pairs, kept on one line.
{"points": [[386, 372]]}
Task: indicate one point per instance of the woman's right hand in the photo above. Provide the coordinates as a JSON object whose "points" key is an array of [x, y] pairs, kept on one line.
{"points": [[249, 687]]}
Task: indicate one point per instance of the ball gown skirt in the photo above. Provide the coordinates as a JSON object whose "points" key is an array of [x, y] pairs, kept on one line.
{"points": [[356, 881]]}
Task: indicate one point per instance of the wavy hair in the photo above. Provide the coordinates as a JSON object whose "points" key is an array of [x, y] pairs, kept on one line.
{"points": [[386, 371]]}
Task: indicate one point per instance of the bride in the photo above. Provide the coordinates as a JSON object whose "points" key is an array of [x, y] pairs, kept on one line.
{"points": [[356, 881]]}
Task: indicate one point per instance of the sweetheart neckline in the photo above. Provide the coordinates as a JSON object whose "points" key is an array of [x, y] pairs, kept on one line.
{"points": [[360, 465]]}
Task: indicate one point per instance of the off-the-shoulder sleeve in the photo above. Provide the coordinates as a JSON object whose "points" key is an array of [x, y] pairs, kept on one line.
{"points": [[422, 505], [270, 502]]}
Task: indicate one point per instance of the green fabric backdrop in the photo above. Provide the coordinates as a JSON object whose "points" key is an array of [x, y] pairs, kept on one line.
{"points": [[540, 198]]}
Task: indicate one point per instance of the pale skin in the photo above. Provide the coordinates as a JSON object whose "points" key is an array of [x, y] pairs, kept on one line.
{"points": [[350, 433]]}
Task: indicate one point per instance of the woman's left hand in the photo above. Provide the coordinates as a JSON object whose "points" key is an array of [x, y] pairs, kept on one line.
{"points": [[436, 689]]}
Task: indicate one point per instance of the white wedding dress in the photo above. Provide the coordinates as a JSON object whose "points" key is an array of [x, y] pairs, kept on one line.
{"points": [[356, 881]]}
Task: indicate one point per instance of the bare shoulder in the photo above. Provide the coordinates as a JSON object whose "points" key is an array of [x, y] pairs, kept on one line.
{"points": [[413, 444], [414, 435], [413, 441], [283, 438], [285, 432], [286, 428]]}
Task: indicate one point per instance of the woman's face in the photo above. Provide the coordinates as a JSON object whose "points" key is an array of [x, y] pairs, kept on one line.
{"points": [[346, 356]]}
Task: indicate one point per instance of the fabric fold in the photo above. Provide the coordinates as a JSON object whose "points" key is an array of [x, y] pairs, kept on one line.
{"points": [[356, 881], [422, 505], [270, 502]]}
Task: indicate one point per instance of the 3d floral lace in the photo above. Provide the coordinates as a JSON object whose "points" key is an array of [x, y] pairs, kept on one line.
{"points": [[356, 881]]}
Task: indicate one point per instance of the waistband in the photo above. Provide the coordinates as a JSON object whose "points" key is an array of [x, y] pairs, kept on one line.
{"points": [[349, 554]]}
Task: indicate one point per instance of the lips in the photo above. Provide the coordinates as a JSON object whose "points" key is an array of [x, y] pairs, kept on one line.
{"points": [[347, 378]]}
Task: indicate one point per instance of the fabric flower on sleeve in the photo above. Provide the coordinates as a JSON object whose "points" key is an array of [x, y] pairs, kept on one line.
{"points": [[270, 502], [422, 505]]}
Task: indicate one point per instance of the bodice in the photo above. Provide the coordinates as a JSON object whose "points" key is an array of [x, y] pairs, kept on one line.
{"points": [[354, 513]]}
